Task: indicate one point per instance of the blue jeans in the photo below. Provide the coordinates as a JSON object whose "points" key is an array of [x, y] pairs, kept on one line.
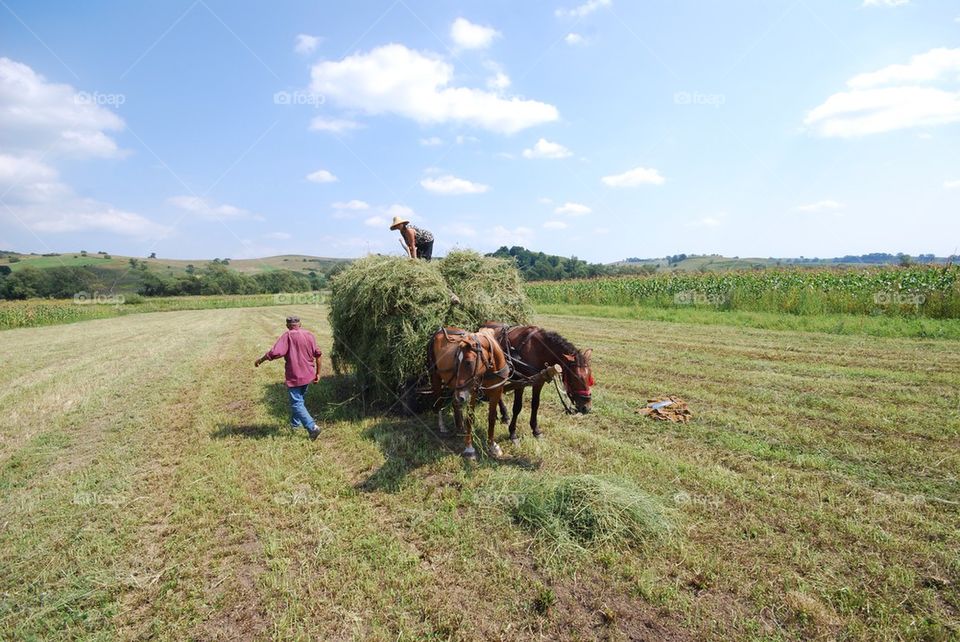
{"points": [[299, 417]]}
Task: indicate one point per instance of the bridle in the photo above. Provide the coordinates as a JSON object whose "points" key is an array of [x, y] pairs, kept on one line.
{"points": [[471, 342]]}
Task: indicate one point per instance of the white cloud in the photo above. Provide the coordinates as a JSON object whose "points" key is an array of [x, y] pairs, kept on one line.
{"points": [[433, 141], [306, 43], [455, 230], [885, 3], [322, 176], [572, 209], [207, 209], [951, 184], [397, 80], [498, 82], [545, 149], [820, 206], [41, 122], [555, 225], [37, 116], [400, 210], [467, 35], [543, 200], [279, 236], [634, 177], [453, 185], [333, 125], [706, 221], [16, 170], [574, 39], [377, 221], [582, 10], [516, 236], [461, 139], [894, 97], [354, 205]]}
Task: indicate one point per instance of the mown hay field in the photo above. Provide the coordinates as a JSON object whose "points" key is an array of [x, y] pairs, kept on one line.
{"points": [[150, 489]]}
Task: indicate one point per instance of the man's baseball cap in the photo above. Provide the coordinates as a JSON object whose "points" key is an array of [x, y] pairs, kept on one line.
{"points": [[293, 319]]}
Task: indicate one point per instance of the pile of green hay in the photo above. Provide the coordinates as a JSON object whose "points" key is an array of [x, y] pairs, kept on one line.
{"points": [[383, 311], [577, 511]]}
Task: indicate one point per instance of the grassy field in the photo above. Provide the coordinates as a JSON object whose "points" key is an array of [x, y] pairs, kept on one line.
{"points": [[41, 312], [149, 488]]}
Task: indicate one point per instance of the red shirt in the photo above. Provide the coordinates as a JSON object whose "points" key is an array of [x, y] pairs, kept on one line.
{"points": [[299, 350]]}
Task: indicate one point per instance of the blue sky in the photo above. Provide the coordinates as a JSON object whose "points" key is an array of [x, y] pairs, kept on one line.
{"points": [[600, 128]]}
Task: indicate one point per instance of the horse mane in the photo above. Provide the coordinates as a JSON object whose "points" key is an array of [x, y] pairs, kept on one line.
{"points": [[560, 343]]}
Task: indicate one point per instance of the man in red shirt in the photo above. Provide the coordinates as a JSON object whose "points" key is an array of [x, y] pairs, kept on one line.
{"points": [[299, 350]]}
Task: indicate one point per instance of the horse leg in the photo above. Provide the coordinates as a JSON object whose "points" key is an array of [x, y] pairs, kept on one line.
{"points": [[468, 451], [517, 407], [504, 417], [437, 389], [534, 406], [496, 399]]}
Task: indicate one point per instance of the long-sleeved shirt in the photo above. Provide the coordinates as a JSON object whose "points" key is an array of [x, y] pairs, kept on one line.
{"points": [[299, 350]]}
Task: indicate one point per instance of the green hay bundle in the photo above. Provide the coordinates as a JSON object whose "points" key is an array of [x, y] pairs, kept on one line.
{"points": [[585, 510], [384, 309]]}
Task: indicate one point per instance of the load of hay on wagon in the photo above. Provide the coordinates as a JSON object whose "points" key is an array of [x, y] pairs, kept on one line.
{"points": [[383, 311]]}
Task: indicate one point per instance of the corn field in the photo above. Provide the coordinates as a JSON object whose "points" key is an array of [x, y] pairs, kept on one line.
{"points": [[926, 291]]}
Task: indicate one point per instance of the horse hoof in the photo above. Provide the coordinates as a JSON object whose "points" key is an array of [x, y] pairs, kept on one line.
{"points": [[538, 435], [495, 451], [470, 454], [515, 440]]}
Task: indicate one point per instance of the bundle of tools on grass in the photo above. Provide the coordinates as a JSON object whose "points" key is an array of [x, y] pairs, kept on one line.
{"points": [[667, 409]]}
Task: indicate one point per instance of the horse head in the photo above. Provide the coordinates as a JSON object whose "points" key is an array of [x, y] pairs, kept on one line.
{"points": [[578, 379]]}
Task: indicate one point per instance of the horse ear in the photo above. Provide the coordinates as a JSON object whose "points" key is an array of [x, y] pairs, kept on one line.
{"points": [[570, 357], [587, 353]]}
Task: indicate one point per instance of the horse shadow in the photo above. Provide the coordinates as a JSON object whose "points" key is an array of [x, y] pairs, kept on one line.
{"points": [[411, 443], [407, 441]]}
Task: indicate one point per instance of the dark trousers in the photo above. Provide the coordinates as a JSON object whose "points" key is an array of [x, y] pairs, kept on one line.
{"points": [[425, 250]]}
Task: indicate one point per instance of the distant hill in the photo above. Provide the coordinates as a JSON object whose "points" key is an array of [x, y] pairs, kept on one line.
{"points": [[124, 274]]}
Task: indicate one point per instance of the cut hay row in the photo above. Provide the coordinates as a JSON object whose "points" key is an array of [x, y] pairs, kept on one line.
{"points": [[384, 309]]}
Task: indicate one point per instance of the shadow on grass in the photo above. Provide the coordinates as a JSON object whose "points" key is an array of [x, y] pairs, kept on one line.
{"points": [[320, 401], [411, 443], [407, 442]]}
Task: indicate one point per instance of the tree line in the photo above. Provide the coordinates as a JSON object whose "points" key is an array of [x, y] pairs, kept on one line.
{"points": [[66, 282]]}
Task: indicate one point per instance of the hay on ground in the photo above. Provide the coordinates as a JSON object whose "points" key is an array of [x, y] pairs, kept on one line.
{"points": [[582, 510], [384, 309]]}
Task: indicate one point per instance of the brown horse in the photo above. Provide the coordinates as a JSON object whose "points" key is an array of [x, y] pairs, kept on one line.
{"points": [[530, 348], [467, 364]]}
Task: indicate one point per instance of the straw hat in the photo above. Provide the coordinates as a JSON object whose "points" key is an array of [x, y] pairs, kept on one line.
{"points": [[398, 221]]}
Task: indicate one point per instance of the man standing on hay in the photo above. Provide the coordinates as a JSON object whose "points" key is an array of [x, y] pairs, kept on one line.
{"points": [[300, 353], [418, 241]]}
